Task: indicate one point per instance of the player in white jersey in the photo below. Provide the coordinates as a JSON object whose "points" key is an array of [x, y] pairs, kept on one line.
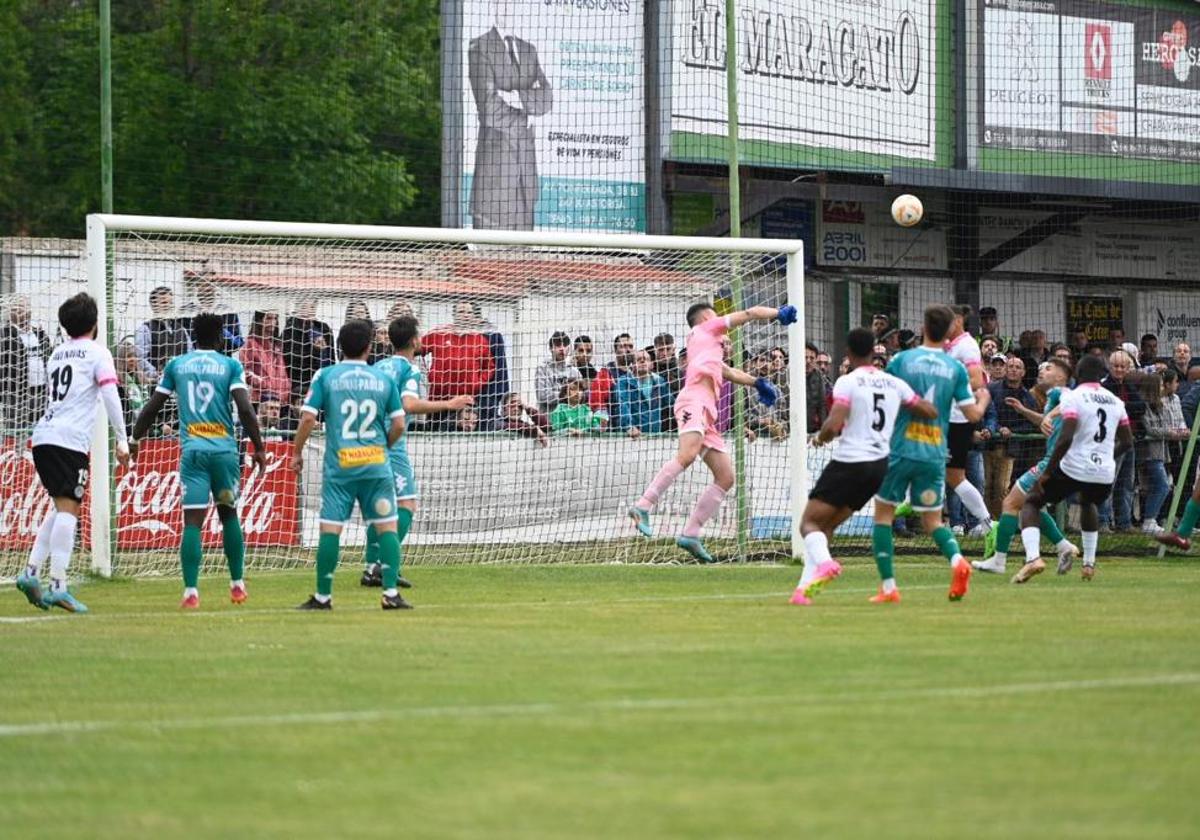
{"points": [[865, 404], [80, 372], [1094, 433], [963, 347]]}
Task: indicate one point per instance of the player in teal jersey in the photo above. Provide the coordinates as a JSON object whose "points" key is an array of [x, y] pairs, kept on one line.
{"points": [[1053, 376], [203, 383], [364, 418], [917, 463], [401, 368]]}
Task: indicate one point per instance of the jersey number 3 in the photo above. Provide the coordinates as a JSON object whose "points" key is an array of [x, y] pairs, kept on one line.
{"points": [[1103, 433]]}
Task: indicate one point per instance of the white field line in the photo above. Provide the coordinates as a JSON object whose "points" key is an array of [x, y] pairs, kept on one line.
{"points": [[473, 606], [617, 705]]}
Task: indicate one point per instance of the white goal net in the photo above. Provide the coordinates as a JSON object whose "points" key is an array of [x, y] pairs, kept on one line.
{"points": [[570, 346]]}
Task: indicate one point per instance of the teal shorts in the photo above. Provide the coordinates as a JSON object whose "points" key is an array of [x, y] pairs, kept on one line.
{"points": [[1031, 476], [376, 499], [205, 475], [402, 469], [924, 482]]}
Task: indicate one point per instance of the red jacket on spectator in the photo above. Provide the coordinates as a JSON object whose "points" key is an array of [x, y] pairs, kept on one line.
{"points": [[602, 394], [266, 371], [462, 362]]}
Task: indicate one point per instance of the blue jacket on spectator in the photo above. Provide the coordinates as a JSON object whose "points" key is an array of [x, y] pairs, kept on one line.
{"points": [[640, 402], [1189, 403]]}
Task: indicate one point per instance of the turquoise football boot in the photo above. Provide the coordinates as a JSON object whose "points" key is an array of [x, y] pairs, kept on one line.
{"points": [[63, 600], [694, 547], [32, 589]]}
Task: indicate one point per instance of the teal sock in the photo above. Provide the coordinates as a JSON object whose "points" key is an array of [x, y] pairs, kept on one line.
{"points": [[946, 543], [389, 555], [371, 556], [403, 524], [190, 555], [1006, 529], [1050, 529], [235, 547], [1188, 524], [327, 561], [884, 548]]}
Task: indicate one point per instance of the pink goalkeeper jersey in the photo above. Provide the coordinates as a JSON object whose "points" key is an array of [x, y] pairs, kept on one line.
{"points": [[705, 358]]}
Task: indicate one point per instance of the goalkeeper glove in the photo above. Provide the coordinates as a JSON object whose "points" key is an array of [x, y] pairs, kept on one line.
{"points": [[767, 393], [787, 314]]}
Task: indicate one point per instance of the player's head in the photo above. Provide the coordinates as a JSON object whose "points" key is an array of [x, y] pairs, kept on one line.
{"points": [[1091, 368], [1054, 373], [78, 316], [208, 331], [354, 338], [700, 312], [860, 346], [961, 313], [938, 319], [403, 333]]}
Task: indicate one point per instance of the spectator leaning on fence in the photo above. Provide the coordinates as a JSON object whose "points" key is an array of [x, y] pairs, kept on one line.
{"points": [[462, 360], [572, 414], [24, 349], [164, 336], [602, 397], [554, 373], [666, 365], [262, 358], [524, 420], [641, 395], [583, 359]]}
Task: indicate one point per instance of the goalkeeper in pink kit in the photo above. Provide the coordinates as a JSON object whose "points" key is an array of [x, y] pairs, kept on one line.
{"points": [[696, 418]]}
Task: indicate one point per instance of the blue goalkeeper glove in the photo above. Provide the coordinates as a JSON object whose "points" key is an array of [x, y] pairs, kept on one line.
{"points": [[767, 393], [787, 314]]}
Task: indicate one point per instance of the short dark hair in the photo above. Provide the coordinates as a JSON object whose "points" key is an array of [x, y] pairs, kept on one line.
{"points": [[663, 339], [938, 318], [78, 315], [1149, 337], [402, 331], [159, 291], [808, 345], [695, 309], [617, 339], [987, 312], [1090, 369], [1061, 365], [354, 338], [860, 341], [208, 331], [1058, 345], [560, 339], [1168, 376], [582, 339], [962, 310]]}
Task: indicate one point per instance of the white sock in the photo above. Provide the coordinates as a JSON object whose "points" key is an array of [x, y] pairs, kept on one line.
{"points": [[816, 552], [391, 593], [41, 547], [889, 586], [972, 499], [62, 540], [1090, 538], [1031, 538], [237, 584], [1065, 545], [1000, 558], [58, 584], [189, 591], [324, 599]]}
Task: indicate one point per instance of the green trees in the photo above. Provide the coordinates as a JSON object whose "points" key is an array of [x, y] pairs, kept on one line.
{"points": [[323, 110]]}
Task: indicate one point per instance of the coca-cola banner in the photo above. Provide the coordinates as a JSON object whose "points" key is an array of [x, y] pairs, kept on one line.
{"points": [[149, 499], [23, 501]]}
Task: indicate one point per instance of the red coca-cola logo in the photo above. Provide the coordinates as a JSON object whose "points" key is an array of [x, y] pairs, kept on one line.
{"points": [[149, 498], [23, 501]]}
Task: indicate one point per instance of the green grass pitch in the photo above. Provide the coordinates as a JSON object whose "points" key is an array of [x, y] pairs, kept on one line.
{"points": [[610, 701]]}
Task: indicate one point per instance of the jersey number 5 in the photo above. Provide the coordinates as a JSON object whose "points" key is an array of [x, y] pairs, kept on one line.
{"points": [[361, 414], [880, 419]]}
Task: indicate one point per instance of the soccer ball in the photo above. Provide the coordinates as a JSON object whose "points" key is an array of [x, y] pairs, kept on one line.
{"points": [[907, 210]]}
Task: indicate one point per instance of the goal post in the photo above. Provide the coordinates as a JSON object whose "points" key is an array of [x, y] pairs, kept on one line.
{"points": [[490, 492]]}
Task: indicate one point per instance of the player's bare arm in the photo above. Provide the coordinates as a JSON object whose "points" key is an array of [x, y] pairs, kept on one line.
{"points": [[921, 408], [974, 413], [145, 419], [308, 422], [416, 405], [249, 419], [833, 424], [396, 430], [1124, 441]]}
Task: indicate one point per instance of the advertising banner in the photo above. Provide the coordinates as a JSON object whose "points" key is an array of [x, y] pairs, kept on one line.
{"points": [[1095, 315], [1172, 315], [1089, 78], [860, 234], [23, 501], [553, 115], [828, 74], [149, 496]]}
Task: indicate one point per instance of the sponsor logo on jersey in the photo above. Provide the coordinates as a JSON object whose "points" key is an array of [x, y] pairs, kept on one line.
{"points": [[924, 433], [207, 429], [361, 456]]}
